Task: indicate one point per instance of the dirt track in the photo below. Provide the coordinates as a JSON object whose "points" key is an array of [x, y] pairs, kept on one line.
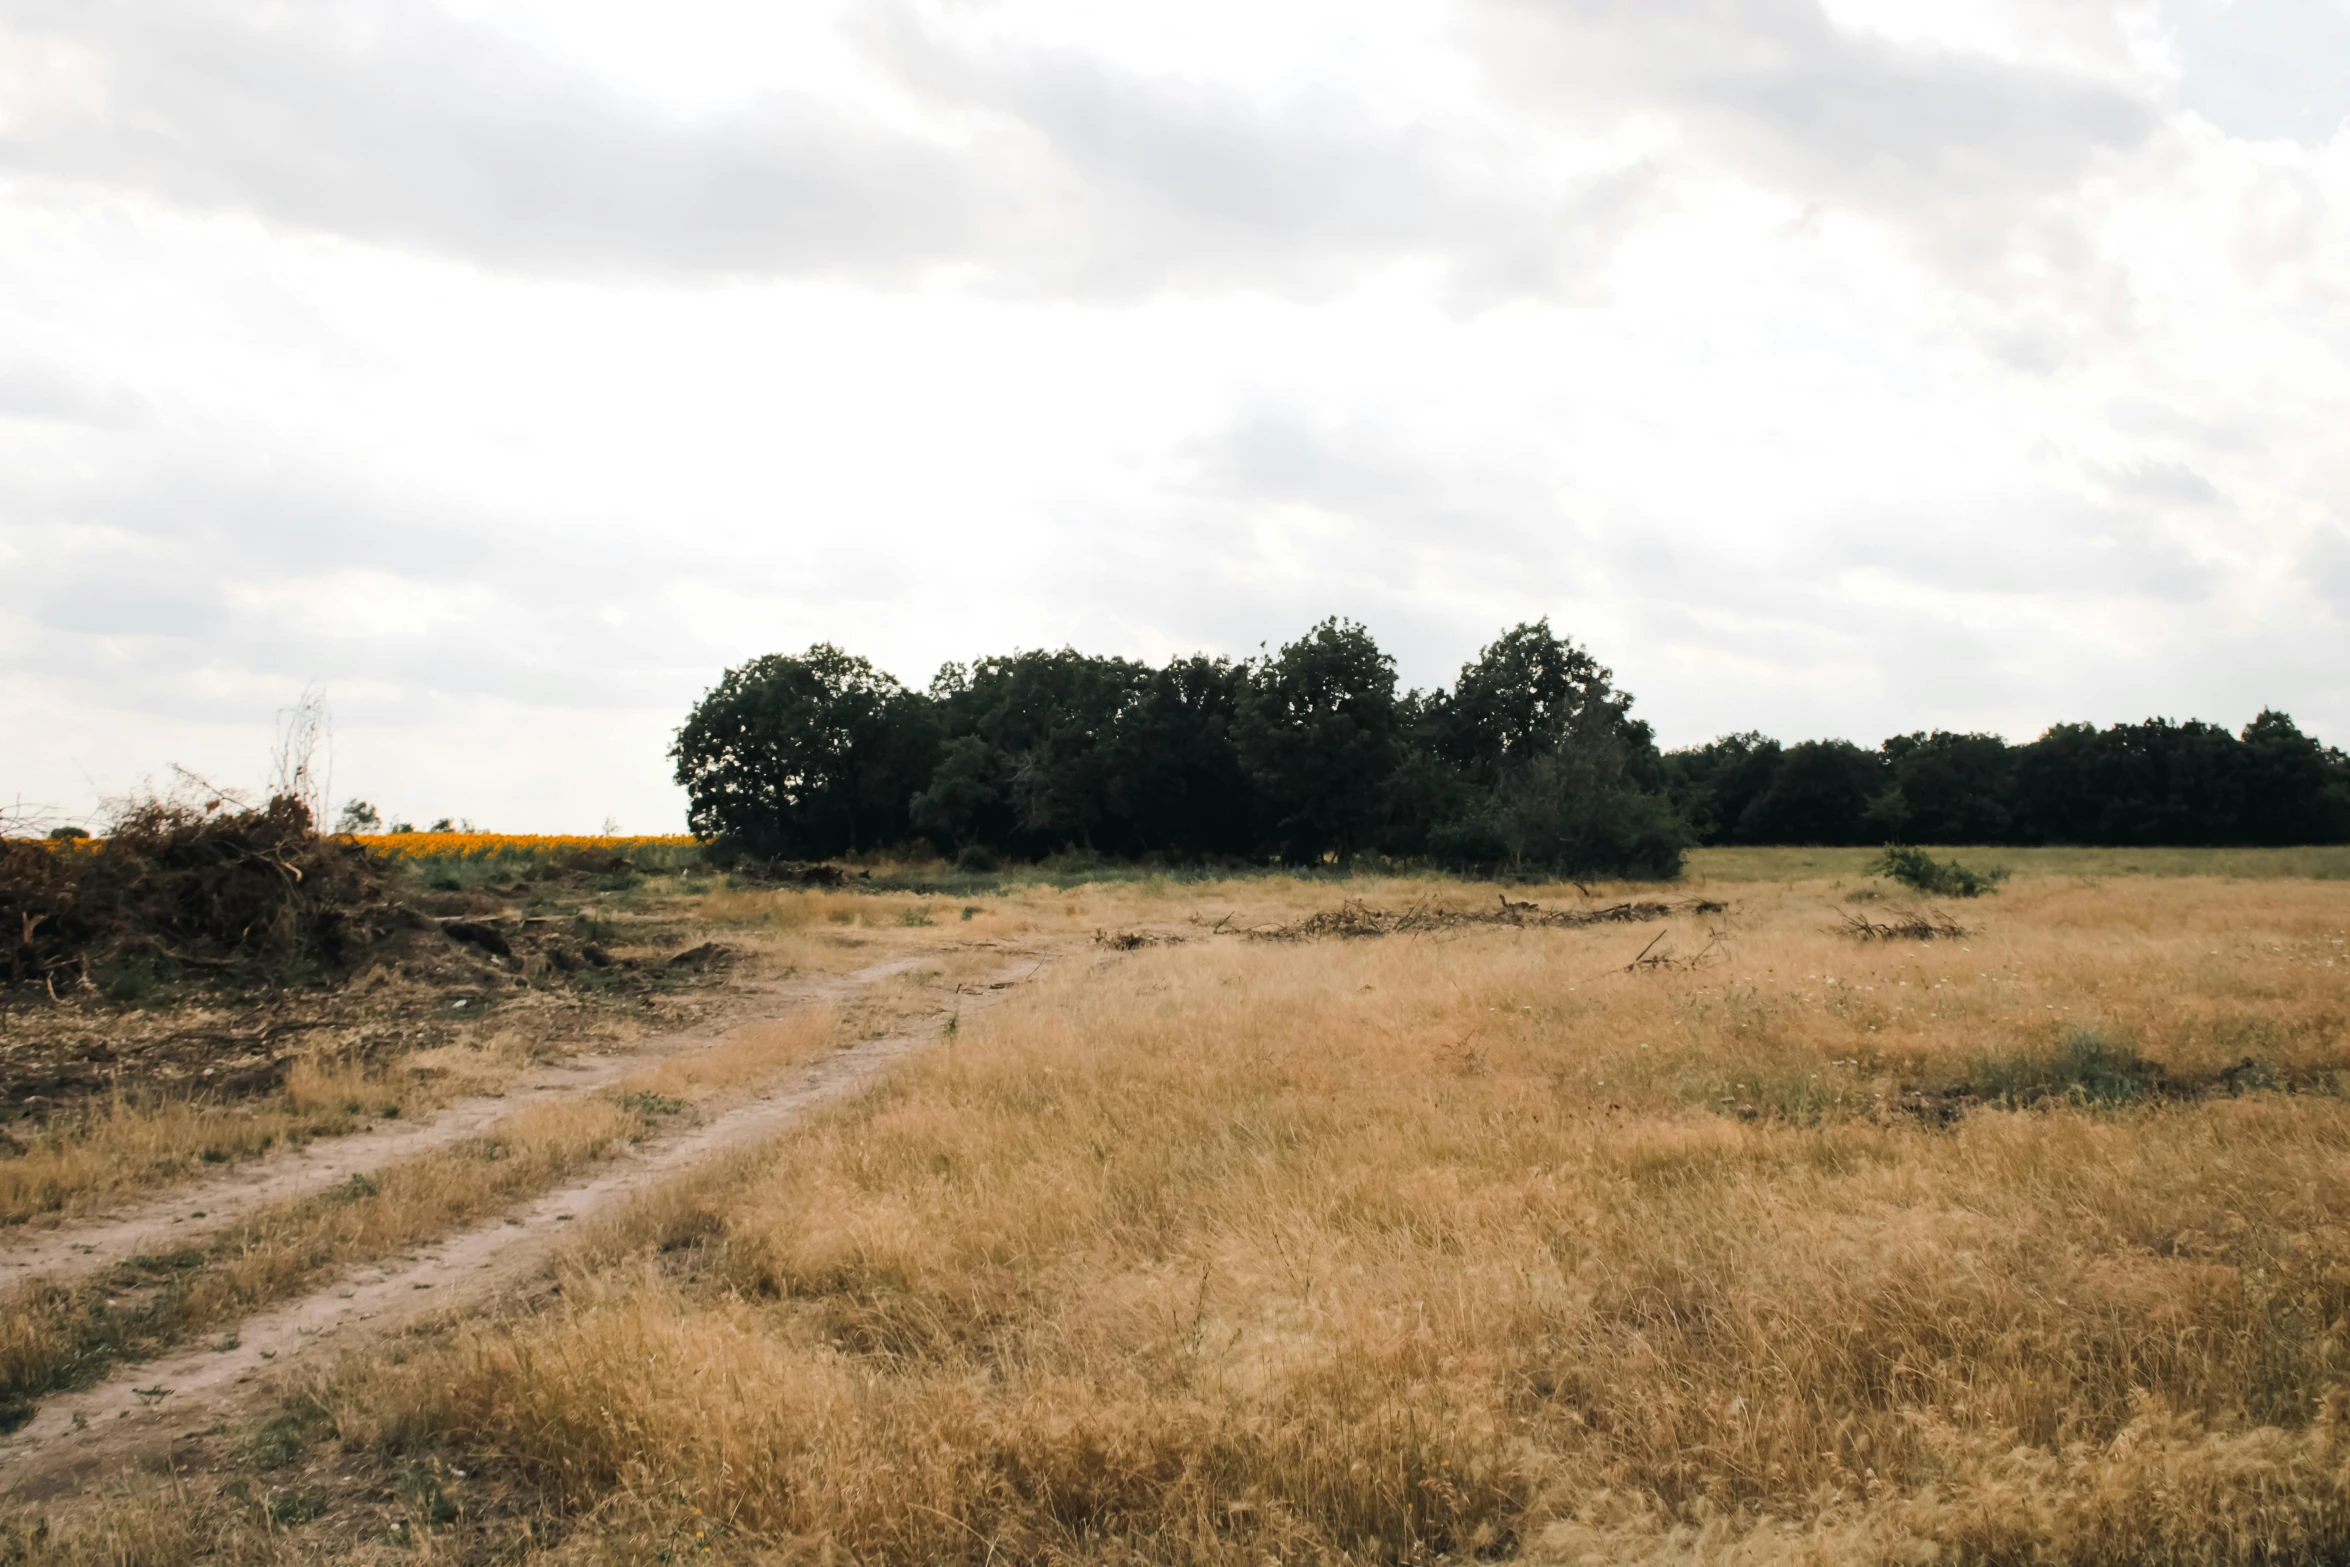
{"points": [[143, 1410], [166, 1221]]}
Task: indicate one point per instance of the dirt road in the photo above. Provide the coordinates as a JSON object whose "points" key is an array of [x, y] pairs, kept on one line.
{"points": [[142, 1411], [166, 1220]]}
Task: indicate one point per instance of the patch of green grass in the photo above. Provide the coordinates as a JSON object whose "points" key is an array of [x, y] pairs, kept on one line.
{"points": [[2084, 1067]]}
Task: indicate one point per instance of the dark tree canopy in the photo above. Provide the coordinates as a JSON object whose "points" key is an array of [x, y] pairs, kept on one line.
{"points": [[1532, 762], [1530, 693], [1176, 781], [1319, 732], [1818, 795], [1943, 788], [1030, 759], [2154, 783], [1713, 784], [804, 756], [1558, 774]]}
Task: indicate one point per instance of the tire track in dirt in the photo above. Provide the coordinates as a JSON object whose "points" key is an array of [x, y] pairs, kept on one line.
{"points": [[169, 1221], [142, 1410]]}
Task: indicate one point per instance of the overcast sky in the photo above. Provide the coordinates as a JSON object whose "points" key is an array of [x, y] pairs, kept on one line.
{"points": [[511, 367]]}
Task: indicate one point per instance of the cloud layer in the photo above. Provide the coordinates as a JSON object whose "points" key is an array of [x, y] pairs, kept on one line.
{"points": [[513, 367]]}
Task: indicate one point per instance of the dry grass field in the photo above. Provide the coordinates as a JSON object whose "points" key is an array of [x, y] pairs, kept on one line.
{"points": [[2030, 1245]]}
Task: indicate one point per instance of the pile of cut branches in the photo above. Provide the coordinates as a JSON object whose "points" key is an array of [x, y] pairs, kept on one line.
{"points": [[218, 887], [1355, 918], [1916, 925]]}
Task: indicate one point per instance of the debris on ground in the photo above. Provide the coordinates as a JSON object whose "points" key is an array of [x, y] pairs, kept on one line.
{"points": [[1355, 918], [1915, 925], [177, 886], [204, 946], [1130, 940]]}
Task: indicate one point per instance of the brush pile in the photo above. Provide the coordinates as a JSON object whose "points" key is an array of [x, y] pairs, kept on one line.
{"points": [[1354, 918], [1916, 925], [177, 887]]}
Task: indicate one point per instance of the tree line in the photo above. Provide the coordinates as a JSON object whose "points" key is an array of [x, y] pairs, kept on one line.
{"points": [[2131, 785], [1530, 760]]}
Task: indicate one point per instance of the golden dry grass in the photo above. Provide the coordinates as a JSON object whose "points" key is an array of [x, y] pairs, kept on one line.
{"points": [[1399, 1249], [125, 1144], [1481, 1245]]}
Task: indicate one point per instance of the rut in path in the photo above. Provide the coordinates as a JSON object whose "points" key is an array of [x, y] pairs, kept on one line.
{"points": [[165, 1222], [168, 1404]]}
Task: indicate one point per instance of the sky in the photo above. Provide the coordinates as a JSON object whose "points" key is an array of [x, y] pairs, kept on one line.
{"points": [[507, 369]]}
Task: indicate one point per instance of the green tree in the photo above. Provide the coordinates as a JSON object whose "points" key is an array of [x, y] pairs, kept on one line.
{"points": [[1031, 764], [2294, 790], [1712, 784], [1530, 694], [1318, 731], [1560, 776], [804, 756], [1176, 783], [1944, 788], [1820, 793]]}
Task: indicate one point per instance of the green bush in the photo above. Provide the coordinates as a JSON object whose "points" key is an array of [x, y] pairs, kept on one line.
{"points": [[1943, 878]]}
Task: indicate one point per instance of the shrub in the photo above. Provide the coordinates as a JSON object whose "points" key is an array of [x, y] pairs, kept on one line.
{"points": [[1942, 878], [1575, 814]]}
